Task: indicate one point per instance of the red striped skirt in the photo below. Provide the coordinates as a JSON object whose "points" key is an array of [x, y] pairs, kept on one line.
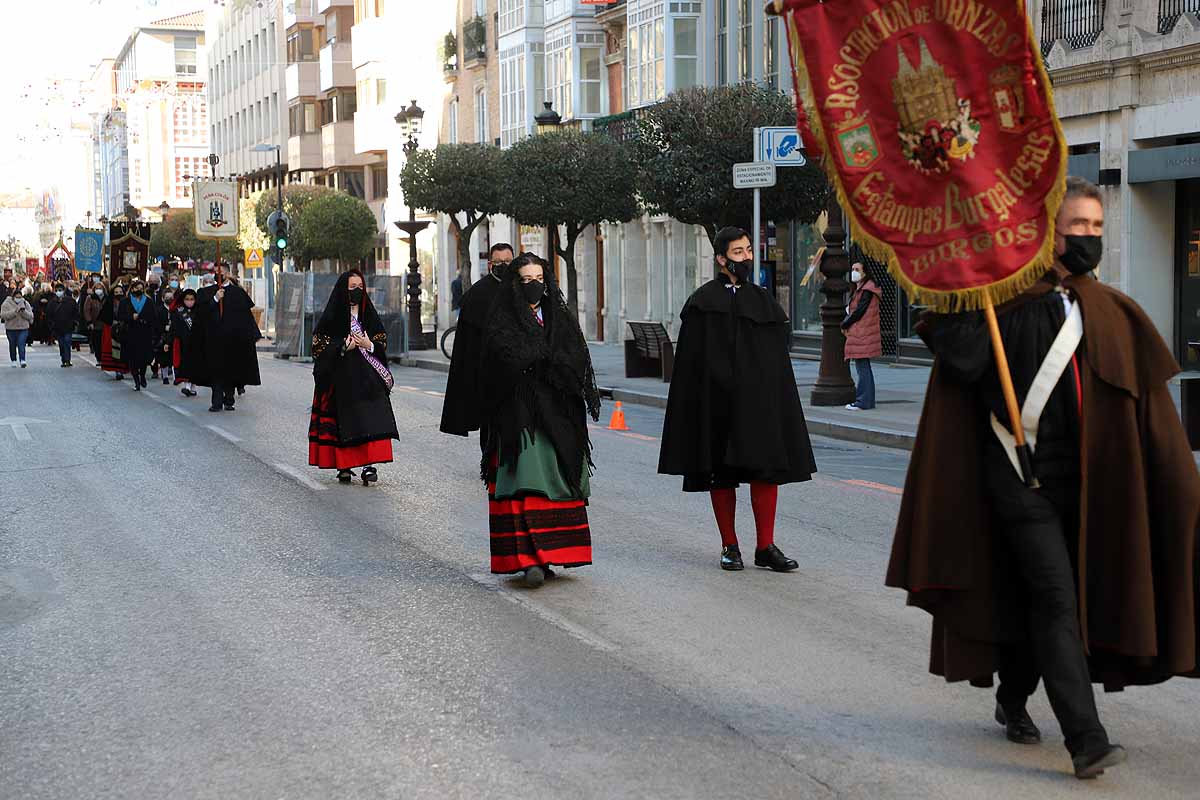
{"points": [[532, 531], [107, 362], [325, 452]]}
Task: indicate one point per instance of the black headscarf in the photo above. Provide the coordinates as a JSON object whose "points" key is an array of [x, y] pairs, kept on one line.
{"points": [[334, 325], [538, 378]]}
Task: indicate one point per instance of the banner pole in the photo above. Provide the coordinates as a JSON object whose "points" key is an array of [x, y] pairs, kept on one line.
{"points": [[1024, 453]]}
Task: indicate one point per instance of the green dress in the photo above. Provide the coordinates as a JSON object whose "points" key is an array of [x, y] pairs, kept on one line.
{"points": [[537, 473]]}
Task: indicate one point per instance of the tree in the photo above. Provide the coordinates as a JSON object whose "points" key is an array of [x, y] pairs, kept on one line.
{"points": [[456, 179], [250, 236], [687, 146], [336, 225], [175, 237], [295, 197], [571, 179], [11, 248]]}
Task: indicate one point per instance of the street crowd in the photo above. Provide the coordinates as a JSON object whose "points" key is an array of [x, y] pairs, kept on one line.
{"points": [[1084, 571]]}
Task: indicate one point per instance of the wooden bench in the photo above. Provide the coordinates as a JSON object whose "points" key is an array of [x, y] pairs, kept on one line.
{"points": [[1189, 403], [649, 354]]}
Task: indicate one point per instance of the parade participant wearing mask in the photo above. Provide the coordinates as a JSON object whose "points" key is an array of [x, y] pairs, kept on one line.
{"points": [[1090, 573], [63, 315], [93, 301], [17, 316], [41, 300], [733, 412], [226, 332], [352, 424], [863, 337], [461, 412], [537, 388], [162, 339], [138, 316], [111, 358], [184, 355]]}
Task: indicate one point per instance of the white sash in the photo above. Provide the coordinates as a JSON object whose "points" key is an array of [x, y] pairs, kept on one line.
{"points": [[1053, 366]]}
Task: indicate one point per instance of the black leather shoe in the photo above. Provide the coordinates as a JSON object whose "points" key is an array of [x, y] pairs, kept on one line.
{"points": [[535, 577], [229, 406], [1092, 765], [369, 475], [731, 559], [773, 558], [345, 476], [1018, 726], [214, 409]]}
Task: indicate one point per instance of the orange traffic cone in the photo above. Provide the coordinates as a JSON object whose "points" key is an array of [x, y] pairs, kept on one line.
{"points": [[617, 423]]}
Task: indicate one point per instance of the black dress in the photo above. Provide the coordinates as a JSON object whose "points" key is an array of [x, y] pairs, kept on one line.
{"points": [[225, 335], [137, 335], [733, 413], [462, 411], [183, 345]]}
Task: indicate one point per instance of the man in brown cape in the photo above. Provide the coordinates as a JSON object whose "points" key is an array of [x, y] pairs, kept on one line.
{"points": [[1092, 575]]}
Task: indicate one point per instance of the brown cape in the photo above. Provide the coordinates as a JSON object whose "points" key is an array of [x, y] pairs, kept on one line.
{"points": [[1139, 561]]}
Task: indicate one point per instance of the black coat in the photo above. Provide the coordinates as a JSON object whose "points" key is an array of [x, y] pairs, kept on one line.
{"points": [[64, 314], [226, 338], [733, 413], [462, 411], [39, 331], [182, 332], [137, 335]]}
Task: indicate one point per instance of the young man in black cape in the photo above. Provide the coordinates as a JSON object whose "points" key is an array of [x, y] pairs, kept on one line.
{"points": [[733, 414], [462, 410], [226, 334]]}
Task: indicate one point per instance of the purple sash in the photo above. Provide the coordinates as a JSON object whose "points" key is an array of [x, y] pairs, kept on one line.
{"points": [[384, 373]]}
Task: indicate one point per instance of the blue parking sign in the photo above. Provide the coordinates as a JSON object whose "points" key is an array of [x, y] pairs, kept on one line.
{"points": [[781, 146]]}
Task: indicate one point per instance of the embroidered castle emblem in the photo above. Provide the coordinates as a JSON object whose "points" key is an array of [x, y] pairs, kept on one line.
{"points": [[856, 140], [216, 214], [936, 126]]}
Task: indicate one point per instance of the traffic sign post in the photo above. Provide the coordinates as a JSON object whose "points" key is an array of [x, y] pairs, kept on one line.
{"points": [[756, 175], [781, 145]]}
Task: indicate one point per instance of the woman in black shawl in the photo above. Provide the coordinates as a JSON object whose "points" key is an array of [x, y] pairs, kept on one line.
{"points": [[538, 386], [183, 343], [352, 424], [139, 324], [111, 358]]}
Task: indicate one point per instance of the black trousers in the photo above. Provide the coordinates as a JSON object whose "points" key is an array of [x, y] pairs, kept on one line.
{"points": [[1035, 525], [222, 395]]}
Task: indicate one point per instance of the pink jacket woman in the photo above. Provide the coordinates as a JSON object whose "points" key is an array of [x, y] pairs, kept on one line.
{"points": [[863, 338]]}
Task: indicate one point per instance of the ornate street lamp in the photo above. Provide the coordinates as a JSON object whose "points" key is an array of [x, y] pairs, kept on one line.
{"points": [[547, 121], [834, 387], [409, 121]]}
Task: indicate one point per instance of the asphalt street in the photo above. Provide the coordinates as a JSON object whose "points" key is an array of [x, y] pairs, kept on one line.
{"points": [[188, 610]]}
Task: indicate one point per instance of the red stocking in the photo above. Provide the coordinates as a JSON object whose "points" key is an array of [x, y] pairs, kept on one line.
{"points": [[763, 498], [724, 503]]}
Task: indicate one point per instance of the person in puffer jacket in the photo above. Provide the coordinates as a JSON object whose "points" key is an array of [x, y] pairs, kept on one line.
{"points": [[863, 338]]}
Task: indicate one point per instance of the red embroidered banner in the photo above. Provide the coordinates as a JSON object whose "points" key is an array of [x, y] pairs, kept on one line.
{"points": [[939, 133]]}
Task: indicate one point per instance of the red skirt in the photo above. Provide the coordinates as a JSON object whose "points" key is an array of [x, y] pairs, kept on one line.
{"points": [[177, 362], [325, 452], [107, 362], [532, 531]]}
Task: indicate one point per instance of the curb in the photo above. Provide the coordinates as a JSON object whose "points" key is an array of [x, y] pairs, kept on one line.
{"points": [[834, 429]]}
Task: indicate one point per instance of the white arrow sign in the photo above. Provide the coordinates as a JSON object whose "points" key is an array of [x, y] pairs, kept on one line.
{"points": [[19, 426]]}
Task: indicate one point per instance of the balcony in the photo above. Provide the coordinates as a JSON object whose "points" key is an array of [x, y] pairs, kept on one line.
{"points": [[624, 126], [474, 42], [296, 12], [1169, 12], [337, 146], [303, 79], [324, 5], [304, 152], [371, 43], [1076, 22], [608, 11], [337, 68], [375, 130]]}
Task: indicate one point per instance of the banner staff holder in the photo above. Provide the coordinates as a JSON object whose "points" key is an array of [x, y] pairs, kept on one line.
{"points": [[1024, 452]]}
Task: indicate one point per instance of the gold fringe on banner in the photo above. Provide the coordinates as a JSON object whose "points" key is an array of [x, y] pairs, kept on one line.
{"points": [[939, 300]]}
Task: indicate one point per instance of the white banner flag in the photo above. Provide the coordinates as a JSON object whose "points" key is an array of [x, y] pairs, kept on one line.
{"points": [[216, 207]]}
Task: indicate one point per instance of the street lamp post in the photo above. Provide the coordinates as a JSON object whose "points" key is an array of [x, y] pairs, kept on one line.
{"points": [[546, 121], [409, 121], [266, 148], [834, 386]]}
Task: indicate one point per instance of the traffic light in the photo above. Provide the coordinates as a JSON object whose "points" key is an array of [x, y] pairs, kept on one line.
{"points": [[281, 233]]}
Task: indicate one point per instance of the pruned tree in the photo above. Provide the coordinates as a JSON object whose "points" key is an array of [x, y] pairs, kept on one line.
{"points": [[295, 197], [175, 237], [462, 181], [250, 236], [336, 225], [571, 179], [687, 146]]}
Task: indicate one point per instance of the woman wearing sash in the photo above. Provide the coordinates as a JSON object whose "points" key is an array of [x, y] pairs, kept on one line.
{"points": [[352, 424]]}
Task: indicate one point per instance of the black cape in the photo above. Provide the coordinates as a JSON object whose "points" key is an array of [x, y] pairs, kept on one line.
{"points": [[63, 315], [361, 403], [462, 411], [137, 335], [536, 379], [733, 413], [181, 331], [226, 340]]}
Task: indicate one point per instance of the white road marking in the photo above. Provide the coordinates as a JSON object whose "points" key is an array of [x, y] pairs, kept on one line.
{"points": [[20, 426], [179, 410], [224, 434], [493, 583], [300, 477], [434, 394]]}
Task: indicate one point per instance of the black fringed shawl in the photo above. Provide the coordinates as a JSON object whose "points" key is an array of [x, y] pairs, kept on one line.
{"points": [[538, 380]]}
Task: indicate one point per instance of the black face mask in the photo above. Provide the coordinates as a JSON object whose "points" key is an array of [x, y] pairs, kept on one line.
{"points": [[137, 292], [1083, 253], [355, 295], [741, 269], [533, 292], [501, 271]]}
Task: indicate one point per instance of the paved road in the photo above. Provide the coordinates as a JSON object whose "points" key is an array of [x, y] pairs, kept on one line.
{"points": [[187, 610]]}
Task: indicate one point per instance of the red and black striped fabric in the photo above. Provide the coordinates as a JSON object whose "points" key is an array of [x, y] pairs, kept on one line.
{"points": [[532, 531], [325, 452], [107, 362]]}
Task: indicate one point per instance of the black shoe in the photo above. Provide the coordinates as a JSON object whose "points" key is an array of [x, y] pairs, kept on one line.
{"points": [[773, 558], [1018, 726], [166, 381], [241, 390], [137, 387], [214, 409], [186, 392], [731, 559], [1092, 765], [535, 577], [119, 377], [549, 572], [345, 476], [229, 406], [370, 475]]}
